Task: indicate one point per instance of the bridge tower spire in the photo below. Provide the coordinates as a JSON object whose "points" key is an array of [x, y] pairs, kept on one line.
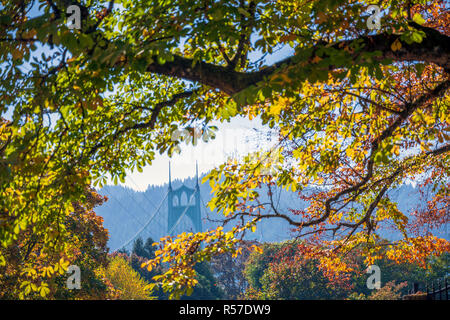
{"points": [[196, 175], [170, 179]]}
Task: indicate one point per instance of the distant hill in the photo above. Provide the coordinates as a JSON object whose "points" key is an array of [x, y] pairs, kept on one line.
{"points": [[127, 211]]}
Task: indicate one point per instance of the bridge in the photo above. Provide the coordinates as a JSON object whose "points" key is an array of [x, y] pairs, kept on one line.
{"points": [[184, 213]]}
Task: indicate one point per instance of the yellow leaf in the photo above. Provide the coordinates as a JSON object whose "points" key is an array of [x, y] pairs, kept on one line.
{"points": [[396, 150], [44, 291], [396, 45], [257, 249], [275, 108]]}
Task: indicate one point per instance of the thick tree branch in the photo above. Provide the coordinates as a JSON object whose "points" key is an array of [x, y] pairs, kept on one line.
{"points": [[435, 48], [244, 40]]}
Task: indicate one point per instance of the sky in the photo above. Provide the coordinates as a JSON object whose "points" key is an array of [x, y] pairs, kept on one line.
{"points": [[236, 138]]}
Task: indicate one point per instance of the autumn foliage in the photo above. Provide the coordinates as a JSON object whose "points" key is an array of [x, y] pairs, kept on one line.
{"points": [[357, 113]]}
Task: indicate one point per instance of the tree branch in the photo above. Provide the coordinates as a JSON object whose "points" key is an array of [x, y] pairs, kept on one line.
{"points": [[435, 48], [148, 124]]}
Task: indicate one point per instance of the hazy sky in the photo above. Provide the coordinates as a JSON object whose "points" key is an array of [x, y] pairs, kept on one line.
{"points": [[235, 138]]}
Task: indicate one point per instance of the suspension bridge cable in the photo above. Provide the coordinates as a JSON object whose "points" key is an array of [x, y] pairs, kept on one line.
{"points": [[127, 211], [205, 208], [137, 203], [146, 224], [121, 205], [151, 202]]}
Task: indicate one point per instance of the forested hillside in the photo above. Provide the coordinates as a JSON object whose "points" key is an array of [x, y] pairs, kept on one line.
{"points": [[126, 210]]}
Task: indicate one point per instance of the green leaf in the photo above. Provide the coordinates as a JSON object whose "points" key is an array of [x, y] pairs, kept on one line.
{"points": [[419, 69], [417, 37], [418, 19], [244, 12]]}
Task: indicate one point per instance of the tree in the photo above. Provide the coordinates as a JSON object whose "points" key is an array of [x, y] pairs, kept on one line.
{"points": [[127, 282], [207, 287], [408, 273], [390, 291], [33, 272], [358, 112], [229, 271], [146, 250], [281, 272], [140, 254]]}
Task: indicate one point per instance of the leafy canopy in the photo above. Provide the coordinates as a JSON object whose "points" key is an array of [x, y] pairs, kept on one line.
{"points": [[358, 113]]}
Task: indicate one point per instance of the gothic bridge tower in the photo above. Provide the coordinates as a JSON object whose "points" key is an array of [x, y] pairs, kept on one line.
{"points": [[184, 200]]}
